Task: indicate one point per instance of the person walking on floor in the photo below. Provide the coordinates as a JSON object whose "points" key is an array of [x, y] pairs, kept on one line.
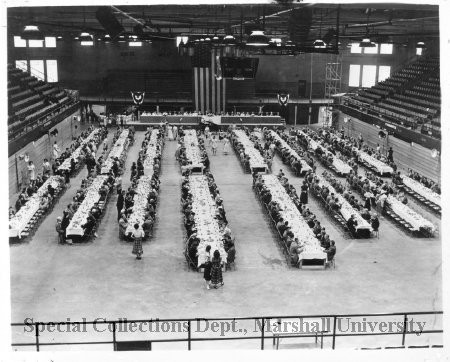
{"points": [[207, 267], [138, 234], [214, 145], [226, 146], [216, 270]]}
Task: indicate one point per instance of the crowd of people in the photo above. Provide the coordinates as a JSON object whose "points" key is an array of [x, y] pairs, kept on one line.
{"points": [[292, 243], [213, 264], [126, 198]]}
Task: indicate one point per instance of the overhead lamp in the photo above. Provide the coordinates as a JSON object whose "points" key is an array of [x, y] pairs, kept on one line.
{"points": [[86, 39], [106, 38], [289, 43], [207, 39], [59, 37], [366, 43], [31, 32], [420, 45], [229, 40], [215, 39], [319, 44], [257, 39], [121, 39]]}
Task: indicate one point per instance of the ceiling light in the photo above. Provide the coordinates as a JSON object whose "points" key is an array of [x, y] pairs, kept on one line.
{"points": [[366, 43], [122, 39], [229, 40], [135, 44], [420, 44], [59, 37], [319, 44], [106, 38], [31, 32], [257, 39], [207, 39], [289, 43]]}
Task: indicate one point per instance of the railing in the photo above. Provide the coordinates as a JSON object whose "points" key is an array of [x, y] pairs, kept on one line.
{"points": [[391, 329]]}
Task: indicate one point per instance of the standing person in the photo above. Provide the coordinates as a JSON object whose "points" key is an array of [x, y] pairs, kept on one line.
{"points": [[120, 202], [137, 234], [175, 132], [207, 131], [216, 270], [31, 171], [60, 230], [46, 166], [170, 133], [391, 154], [55, 151], [226, 146], [214, 145], [304, 193], [207, 267]]}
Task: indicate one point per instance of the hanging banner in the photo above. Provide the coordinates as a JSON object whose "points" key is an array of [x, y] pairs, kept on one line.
{"points": [[283, 99], [138, 97]]}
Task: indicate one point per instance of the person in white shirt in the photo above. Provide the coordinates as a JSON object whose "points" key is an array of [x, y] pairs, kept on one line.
{"points": [[46, 166], [55, 151], [31, 171]]}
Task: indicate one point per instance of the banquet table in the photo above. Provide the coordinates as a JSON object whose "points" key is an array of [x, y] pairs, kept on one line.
{"points": [[151, 152], [423, 191], [346, 209], [284, 144], [116, 151], [381, 167], [257, 162], [416, 220], [290, 213], [205, 209], [80, 217], [139, 203], [171, 119], [65, 166], [193, 155], [21, 219]]}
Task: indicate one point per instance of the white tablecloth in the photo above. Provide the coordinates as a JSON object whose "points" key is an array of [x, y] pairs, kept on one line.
{"points": [[284, 144], [380, 166], [20, 220], [256, 160], [116, 151], [346, 209], [91, 197], [410, 216], [140, 203], [341, 166], [151, 153], [192, 150], [205, 209], [76, 154], [290, 213], [422, 190]]}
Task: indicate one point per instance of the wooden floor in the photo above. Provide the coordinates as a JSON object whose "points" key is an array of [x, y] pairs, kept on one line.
{"points": [[51, 282]]}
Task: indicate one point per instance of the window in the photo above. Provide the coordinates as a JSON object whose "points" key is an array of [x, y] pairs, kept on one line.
{"points": [[419, 51], [368, 75], [182, 38], [371, 50], [22, 64], [50, 42], [37, 69], [384, 72], [354, 72], [355, 48], [35, 43], [52, 71], [386, 48], [19, 42]]}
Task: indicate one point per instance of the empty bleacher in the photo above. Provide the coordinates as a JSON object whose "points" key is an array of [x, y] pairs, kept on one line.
{"points": [[410, 97], [29, 100]]}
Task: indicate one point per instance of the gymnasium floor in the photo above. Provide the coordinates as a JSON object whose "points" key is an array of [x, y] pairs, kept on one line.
{"points": [[51, 282]]}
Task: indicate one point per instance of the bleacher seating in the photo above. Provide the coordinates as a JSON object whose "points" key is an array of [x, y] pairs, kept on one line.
{"points": [[29, 99], [410, 97]]}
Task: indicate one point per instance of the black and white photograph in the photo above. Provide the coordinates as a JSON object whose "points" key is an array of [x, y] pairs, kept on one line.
{"points": [[225, 176]]}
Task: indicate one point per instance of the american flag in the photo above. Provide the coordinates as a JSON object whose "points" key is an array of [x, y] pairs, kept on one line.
{"points": [[209, 92]]}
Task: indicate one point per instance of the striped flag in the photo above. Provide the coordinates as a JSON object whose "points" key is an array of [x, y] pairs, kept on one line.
{"points": [[209, 86]]}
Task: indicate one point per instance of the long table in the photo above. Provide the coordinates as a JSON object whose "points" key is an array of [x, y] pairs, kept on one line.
{"points": [[219, 120], [292, 153], [423, 191], [190, 141], [117, 150], [257, 163], [21, 219], [290, 213]]}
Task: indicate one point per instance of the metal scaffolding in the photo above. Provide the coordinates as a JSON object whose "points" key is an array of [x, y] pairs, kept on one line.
{"points": [[333, 76]]}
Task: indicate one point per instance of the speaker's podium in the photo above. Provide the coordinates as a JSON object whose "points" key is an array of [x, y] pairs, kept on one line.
{"points": [[133, 346]]}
